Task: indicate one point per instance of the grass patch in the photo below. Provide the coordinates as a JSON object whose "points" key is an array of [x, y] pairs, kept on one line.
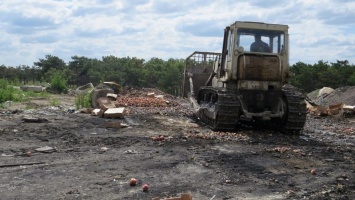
{"points": [[37, 94], [54, 102], [8, 92], [29, 107]]}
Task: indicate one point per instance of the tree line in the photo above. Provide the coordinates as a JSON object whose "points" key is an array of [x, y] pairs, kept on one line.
{"points": [[309, 77], [158, 73], [127, 71]]}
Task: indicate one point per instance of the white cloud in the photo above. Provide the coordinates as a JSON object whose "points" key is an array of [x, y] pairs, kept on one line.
{"points": [[31, 29]]}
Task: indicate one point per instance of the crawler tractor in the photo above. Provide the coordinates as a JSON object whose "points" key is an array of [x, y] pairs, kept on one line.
{"points": [[245, 83]]}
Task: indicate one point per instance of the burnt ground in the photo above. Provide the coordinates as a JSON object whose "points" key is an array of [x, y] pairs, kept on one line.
{"points": [[248, 164]]}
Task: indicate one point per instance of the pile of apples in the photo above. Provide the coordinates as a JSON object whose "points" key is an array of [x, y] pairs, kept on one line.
{"points": [[282, 149], [141, 102], [216, 135]]}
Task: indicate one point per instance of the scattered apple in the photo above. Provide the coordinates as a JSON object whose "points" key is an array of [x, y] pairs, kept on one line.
{"points": [[145, 187], [314, 171], [103, 149], [158, 138], [161, 137], [133, 182], [28, 153]]}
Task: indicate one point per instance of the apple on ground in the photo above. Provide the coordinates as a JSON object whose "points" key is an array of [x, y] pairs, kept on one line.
{"points": [[145, 187], [133, 182]]}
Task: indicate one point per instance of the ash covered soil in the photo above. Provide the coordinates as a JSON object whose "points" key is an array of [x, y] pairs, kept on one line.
{"points": [[91, 161]]}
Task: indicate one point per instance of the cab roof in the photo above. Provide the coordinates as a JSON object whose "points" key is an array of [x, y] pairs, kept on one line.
{"points": [[259, 25]]}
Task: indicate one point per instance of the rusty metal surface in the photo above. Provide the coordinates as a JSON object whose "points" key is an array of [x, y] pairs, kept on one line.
{"points": [[259, 68], [200, 65]]}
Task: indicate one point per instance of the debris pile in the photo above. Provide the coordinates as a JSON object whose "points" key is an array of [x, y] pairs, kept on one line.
{"points": [[153, 101], [147, 97], [334, 102], [331, 109], [107, 109], [136, 102]]}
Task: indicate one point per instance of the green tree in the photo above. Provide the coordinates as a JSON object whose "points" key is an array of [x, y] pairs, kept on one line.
{"points": [[152, 72], [95, 71], [58, 81], [172, 76], [322, 74], [351, 80], [304, 77], [133, 71], [50, 62], [79, 65]]}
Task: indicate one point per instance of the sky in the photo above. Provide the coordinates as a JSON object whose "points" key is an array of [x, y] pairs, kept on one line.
{"points": [[30, 29]]}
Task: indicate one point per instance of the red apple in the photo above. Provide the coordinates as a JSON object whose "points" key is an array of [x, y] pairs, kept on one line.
{"points": [[314, 171], [145, 187], [161, 137], [133, 182]]}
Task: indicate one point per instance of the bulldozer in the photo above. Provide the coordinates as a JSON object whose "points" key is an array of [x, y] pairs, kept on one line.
{"points": [[247, 81]]}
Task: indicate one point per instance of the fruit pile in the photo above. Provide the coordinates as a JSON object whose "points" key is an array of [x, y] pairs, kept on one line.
{"points": [[153, 101], [216, 135], [175, 111], [158, 138], [141, 102], [281, 149]]}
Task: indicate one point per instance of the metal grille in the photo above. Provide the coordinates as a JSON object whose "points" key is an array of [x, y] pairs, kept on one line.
{"points": [[200, 65]]}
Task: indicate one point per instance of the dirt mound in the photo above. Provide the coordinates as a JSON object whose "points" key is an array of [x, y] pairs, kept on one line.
{"points": [[314, 94], [344, 95]]}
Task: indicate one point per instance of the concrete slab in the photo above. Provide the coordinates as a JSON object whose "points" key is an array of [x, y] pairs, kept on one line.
{"points": [[115, 112]]}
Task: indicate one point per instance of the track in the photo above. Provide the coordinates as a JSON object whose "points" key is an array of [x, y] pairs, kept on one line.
{"points": [[296, 110], [220, 109], [220, 103]]}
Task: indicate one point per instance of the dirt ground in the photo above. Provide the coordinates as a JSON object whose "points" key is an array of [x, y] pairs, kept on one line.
{"points": [[91, 161]]}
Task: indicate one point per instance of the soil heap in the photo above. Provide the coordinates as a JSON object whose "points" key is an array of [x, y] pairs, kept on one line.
{"points": [[345, 95]]}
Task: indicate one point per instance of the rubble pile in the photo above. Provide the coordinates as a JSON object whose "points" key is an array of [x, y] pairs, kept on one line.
{"points": [[138, 102]]}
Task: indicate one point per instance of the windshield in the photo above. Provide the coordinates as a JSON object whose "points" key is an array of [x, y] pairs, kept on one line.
{"points": [[253, 40]]}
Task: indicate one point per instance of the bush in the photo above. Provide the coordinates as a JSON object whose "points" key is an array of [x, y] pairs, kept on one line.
{"points": [[58, 83], [6, 91], [3, 84], [83, 100]]}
